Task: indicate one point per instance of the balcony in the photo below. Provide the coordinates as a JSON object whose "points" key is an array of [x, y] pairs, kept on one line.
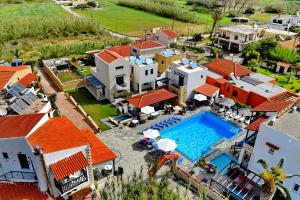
{"points": [[17, 175], [69, 184]]}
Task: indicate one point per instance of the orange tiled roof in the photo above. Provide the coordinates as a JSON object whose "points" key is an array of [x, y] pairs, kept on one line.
{"points": [[285, 96], [170, 33], [19, 125], [21, 191], [108, 56], [254, 126], [226, 67], [57, 134], [28, 79], [221, 81], [123, 50], [148, 44], [84, 193], [290, 43], [207, 90], [282, 64], [274, 106], [69, 165], [150, 98], [13, 69], [5, 76], [100, 152]]}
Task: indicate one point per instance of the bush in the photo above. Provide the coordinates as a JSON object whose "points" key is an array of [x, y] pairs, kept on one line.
{"points": [[249, 10], [273, 9], [197, 37], [285, 55]]}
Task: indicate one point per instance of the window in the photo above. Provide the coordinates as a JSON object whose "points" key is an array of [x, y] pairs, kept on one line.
{"points": [[5, 155], [271, 150], [235, 93], [134, 50], [162, 62], [23, 161], [181, 81], [120, 80], [151, 71], [146, 72], [296, 187], [120, 67], [236, 37], [201, 76]]}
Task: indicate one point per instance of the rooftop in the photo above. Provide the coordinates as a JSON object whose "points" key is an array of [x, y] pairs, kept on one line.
{"points": [[28, 79], [207, 90], [170, 33], [262, 77], [279, 32], [273, 106], [187, 66], [148, 44], [290, 43], [170, 53], [242, 29], [288, 123], [13, 69], [18, 126], [108, 56], [123, 50], [141, 60], [5, 77]]}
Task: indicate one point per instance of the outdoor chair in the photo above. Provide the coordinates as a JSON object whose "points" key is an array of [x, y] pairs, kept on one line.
{"points": [[242, 119]]}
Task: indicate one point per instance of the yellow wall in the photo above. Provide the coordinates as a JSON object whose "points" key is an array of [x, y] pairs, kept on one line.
{"points": [[19, 75], [165, 63]]}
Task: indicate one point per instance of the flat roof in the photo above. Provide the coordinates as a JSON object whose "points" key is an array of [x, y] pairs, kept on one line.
{"points": [[262, 77], [187, 68], [213, 74], [243, 29], [289, 124], [280, 32]]}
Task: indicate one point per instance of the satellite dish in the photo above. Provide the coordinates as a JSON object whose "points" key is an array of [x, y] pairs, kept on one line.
{"points": [[3, 112]]}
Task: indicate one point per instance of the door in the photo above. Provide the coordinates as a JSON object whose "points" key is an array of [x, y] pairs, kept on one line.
{"points": [[23, 161], [181, 81]]}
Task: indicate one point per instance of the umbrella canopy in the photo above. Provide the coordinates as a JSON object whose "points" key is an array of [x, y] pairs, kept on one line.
{"points": [[245, 112], [166, 145], [147, 109], [151, 133], [200, 97], [225, 102]]}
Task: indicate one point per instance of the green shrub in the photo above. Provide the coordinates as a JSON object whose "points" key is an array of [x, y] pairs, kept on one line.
{"points": [[273, 9], [285, 55], [249, 10]]}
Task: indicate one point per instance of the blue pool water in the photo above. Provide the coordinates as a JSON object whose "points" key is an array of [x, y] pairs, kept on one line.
{"points": [[221, 161], [195, 135]]}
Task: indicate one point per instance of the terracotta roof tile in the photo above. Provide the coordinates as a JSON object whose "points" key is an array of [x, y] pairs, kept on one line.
{"points": [[28, 79], [19, 125], [57, 134], [123, 50], [69, 165], [150, 98], [13, 69], [108, 56], [273, 106], [21, 191], [100, 152], [84, 193], [254, 126], [285, 96], [148, 44], [226, 67], [170, 33], [290, 43], [5, 76], [207, 90]]}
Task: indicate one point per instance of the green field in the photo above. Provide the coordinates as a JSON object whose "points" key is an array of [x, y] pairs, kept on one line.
{"points": [[97, 110], [48, 8]]}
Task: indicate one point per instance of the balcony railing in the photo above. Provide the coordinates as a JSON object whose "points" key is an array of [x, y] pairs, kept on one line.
{"points": [[65, 187], [17, 175]]}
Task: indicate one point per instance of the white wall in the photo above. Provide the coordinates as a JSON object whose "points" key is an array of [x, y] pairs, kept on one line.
{"points": [[146, 52], [139, 75], [46, 108], [42, 121], [164, 38], [289, 150]]}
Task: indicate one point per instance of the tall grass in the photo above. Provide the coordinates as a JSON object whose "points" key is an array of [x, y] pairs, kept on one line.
{"points": [[159, 8], [43, 27]]}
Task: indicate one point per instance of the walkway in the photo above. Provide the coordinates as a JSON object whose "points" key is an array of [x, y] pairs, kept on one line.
{"points": [[65, 107]]}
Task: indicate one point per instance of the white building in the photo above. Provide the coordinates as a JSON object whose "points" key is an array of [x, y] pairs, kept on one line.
{"points": [[185, 76], [52, 153], [284, 21], [144, 73], [238, 37], [273, 136], [164, 36]]}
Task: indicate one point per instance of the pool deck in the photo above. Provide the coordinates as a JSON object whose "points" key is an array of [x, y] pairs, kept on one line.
{"points": [[124, 142]]}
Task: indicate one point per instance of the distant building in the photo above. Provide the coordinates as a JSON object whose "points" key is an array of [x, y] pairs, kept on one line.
{"points": [[165, 59], [164, 36], [284, 21], [238, 37], [146, 48]]}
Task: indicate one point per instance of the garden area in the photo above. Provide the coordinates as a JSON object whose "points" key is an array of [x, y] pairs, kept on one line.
{"points": [[96, 109], [67, 75]]}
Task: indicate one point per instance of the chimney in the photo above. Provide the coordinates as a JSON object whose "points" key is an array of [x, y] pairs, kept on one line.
{"points": [[217, 56]]}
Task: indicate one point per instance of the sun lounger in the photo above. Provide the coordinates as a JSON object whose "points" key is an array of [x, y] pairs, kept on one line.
{"points": [[177, 117], [242, 119], [237, 117], [232, 115]]}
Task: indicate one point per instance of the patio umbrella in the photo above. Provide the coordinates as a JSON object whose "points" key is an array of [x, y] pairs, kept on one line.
{"points": [[151, 133], [225, 102], [200, 97], [147, 109], [166, 145]]}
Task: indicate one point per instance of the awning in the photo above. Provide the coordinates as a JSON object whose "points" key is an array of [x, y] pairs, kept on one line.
{"points": [[200, 97], [207, 90], [67, 166], [147, 109]]}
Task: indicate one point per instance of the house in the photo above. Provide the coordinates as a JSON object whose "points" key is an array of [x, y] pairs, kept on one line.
{"points": [[185, 76], [165, 59], [272, 136], [12, 74], [293, 43], [238, 37], [284, 21], [51, 153], [146, 48], [29, 80], [283, 68], [161, 35]]}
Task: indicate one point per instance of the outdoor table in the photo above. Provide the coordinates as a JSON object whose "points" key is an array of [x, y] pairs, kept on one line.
{"points": [[154, 114], [135, 122]]}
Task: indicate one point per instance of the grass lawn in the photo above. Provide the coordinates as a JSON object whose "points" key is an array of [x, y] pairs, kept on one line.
{"points": [[134, 22], [97, 110], [85, 70], [65, 76], [293, 85], [46, 9]]}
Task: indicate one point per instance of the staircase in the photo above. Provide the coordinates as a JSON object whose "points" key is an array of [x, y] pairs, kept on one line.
{"points": [[162, 161]]}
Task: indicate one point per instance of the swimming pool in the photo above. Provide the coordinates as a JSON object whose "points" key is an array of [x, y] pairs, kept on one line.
{"points": [[221, 161], [195, 135]]}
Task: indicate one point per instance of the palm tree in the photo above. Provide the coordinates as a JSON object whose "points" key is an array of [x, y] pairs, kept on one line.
{"points": [[273, 180]]}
